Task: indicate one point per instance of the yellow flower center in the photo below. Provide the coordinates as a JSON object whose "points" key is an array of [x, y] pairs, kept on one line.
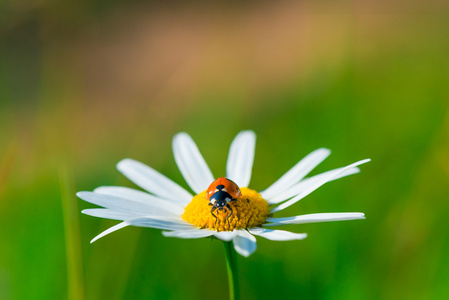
{"points": [[250, 210]]}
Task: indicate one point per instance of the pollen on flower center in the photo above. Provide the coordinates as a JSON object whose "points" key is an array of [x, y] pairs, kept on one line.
{"points": [[250, 210]]}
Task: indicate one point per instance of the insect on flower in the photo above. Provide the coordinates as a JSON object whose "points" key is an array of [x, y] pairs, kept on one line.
{"points": [[220, 193], [227, 209]]}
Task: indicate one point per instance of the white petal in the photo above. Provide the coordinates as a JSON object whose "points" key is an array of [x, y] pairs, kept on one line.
{"points": [[301, 186], [244, 243], [191, 164], [329, 177], [241, 158], [110, 214], [127, 205], [278, 235], [153, 181], [189, 234], [298, 172], [225, 235], [165, 224], [142, 197], [110, 230], [314, 218]]}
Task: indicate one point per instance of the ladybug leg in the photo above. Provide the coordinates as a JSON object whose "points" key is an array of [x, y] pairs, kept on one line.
{"points": [[230, 208], [212, 212]]}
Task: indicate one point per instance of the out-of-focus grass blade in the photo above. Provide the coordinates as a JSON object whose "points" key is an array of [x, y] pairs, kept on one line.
{"points": [[70, 212]]}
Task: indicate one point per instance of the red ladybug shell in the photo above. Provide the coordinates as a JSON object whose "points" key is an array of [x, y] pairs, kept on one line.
{"points": [[229, 186]]}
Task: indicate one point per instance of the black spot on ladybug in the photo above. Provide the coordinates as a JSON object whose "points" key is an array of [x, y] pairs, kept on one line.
{"points": [[220, 187], [247, 200]]}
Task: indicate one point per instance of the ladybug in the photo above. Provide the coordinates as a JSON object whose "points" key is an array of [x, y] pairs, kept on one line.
{"points": [[220, 193]]}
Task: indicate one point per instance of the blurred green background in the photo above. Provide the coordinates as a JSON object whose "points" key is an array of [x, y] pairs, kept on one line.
{"points": [[84, 84]]}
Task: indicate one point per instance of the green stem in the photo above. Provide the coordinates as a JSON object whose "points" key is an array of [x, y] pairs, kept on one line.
{"points": [[231, 265]]}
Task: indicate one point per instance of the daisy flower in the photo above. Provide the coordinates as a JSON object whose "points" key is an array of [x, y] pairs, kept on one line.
{"points": [[236, 216]]}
